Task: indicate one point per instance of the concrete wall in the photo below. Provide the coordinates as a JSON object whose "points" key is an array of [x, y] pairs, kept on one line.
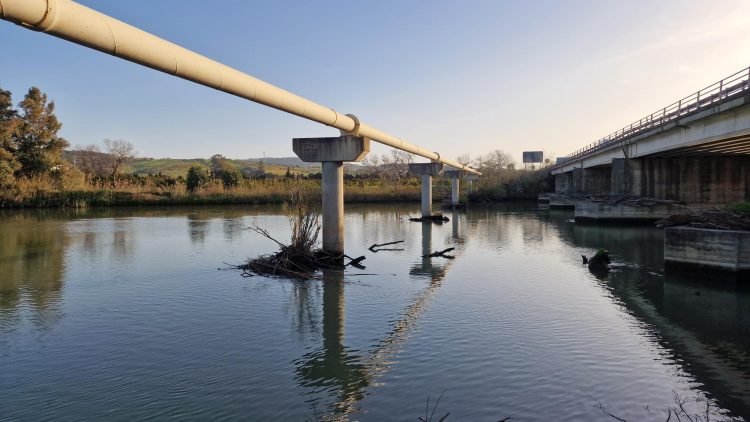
{"points": [[597, 180], [721, 249], [604, 212], [706, 180]]}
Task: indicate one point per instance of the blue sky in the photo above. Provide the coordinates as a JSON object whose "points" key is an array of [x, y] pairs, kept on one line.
{"points": [[455, 77]]}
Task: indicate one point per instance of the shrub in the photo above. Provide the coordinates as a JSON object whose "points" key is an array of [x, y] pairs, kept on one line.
{"points": [[196, 178], [231, 178]]}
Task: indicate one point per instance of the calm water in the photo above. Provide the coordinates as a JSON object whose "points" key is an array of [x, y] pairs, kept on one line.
{"points": [[124, 314]]}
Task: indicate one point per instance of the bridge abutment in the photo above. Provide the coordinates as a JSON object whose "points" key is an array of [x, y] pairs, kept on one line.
{"points": [[426, 171], [332, 153]]}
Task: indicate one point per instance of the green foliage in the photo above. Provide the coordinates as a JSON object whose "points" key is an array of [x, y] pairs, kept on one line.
{"points": [[38, 148], [743, 207], [196, 178], [231, 178], [8, 122]]}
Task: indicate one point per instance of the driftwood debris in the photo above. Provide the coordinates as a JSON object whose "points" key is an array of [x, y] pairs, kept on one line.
{"points": [[625, 200], [355, 262], [716, 218], [377, 247], [434, 218], [441, 254]]}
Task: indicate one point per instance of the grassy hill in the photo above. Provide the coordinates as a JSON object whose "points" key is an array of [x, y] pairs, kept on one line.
{"points": [[179, 166]]}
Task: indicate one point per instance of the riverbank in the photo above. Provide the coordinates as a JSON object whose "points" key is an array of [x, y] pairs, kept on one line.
{"points": [[262, 192]]}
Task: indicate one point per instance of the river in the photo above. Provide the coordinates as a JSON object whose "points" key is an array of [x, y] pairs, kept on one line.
{"points": [[134, 314]]}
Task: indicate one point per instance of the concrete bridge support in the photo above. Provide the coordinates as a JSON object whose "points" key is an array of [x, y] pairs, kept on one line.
{"points": [[692, 179], [596, 180], [470, 179], [426, 171], [455, 176], [571, 181], [332, 153]]}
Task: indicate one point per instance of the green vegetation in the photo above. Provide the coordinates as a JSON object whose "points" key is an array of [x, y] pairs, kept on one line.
{"points": [[742, 207], [36, 171]]}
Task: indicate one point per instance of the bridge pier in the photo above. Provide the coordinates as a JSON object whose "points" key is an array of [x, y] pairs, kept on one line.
{"points": [[426, 171], [332, 153], [470, 178], [455, 176]]}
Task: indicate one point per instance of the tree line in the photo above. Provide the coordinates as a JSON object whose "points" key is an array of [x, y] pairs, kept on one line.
{"points": [[30, 145]]}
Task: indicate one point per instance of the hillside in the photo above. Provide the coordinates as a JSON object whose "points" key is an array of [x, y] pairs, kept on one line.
{"points": [[179, 166]]}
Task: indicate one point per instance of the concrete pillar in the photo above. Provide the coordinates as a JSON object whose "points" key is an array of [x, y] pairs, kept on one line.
{"points": [[426, 171], [626, 176], [596, 180], [454, 190], [333, 206], [426, 195], [332, 153], [455, 176]]}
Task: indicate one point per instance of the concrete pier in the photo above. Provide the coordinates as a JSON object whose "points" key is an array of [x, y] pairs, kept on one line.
{"points": [[333, 207], [561, 202], [600, 212], [455, 176], [332, 153], [470, 178], [693, 248], [426, 171]]}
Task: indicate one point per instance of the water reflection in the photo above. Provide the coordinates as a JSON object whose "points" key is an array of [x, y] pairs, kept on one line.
{"points": [[344, 373], [704, 329], [427, 267], [197, 226], [32, 266], [703, 325], [333, 367]]}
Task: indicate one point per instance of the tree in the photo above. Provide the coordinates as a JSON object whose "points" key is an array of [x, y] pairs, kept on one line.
{"points": [[231, 178], [494, 162], [119, 152], [196, 177], [8, 124], [218, 164], [91, 161], [464, 159], [38, 148]]}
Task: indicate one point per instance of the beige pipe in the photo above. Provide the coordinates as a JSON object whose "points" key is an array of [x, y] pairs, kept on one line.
{"points": [[79, 24]]}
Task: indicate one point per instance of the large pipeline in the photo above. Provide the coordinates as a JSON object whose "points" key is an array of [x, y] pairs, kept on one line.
{"points": [[79, 24]]}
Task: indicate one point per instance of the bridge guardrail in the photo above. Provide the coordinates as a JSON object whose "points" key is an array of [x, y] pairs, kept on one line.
{"points": [[724, 90]]}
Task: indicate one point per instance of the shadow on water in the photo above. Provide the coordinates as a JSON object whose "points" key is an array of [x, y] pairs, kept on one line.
{"points": [[705, 326]]}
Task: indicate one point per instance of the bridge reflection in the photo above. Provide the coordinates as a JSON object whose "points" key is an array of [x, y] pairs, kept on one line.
{"points": [[705, 327], [344, 372]]}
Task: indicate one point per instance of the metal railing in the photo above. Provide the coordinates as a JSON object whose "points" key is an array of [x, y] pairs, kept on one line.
{"points": [[726, 89]]}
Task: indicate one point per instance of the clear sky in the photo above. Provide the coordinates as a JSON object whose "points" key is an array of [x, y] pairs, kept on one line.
{"points": [[452, 76]]}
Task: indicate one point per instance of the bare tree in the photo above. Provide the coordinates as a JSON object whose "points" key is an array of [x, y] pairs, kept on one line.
{"points": [[464, 159], [400, 162], [120, 152], [91, 161]]}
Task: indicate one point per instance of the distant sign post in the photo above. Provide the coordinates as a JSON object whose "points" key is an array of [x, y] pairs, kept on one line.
{"points": [[532, 157]]}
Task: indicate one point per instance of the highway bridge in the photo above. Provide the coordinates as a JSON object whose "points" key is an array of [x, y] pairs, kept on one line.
{"points": [[695, 150]]}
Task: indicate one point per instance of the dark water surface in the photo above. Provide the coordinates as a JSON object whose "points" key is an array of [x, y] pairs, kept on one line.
{"points": [[122, 314]]}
